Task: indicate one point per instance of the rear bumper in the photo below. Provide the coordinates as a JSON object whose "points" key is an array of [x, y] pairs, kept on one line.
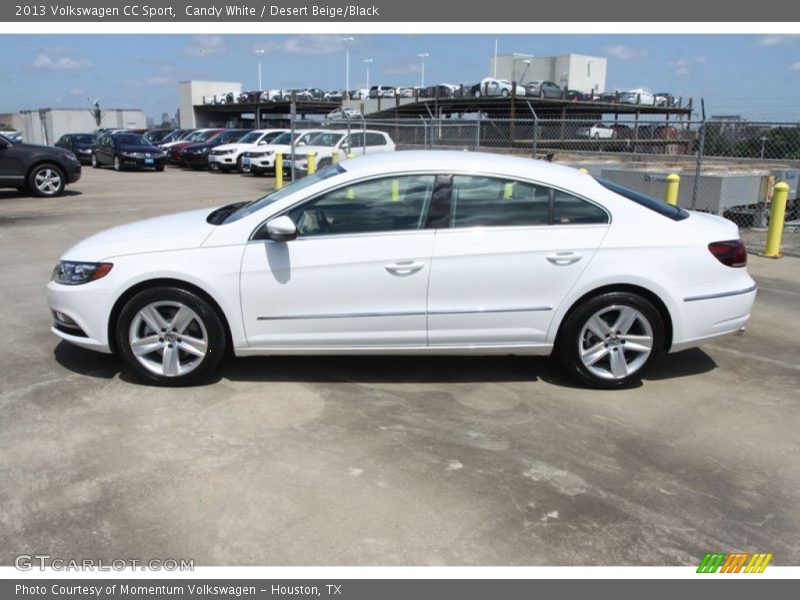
{"points": [[714, 314]]}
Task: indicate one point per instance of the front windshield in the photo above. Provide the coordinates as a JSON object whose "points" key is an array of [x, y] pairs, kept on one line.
{"points": [[251, 138], [295, 186], [284, 138], [83, 138], [325, 138], [131, 140]]}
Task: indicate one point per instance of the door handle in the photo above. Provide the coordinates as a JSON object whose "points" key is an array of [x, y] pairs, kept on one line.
{"points": [[404, 267], [563, 259]]}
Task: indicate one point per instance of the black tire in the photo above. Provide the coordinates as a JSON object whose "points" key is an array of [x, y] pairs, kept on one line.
{"points": [[257, 172], [477, 93], [96, 162], [117, 163], [571, 339], [325, 162], [53, 174], [160, 168], [239, 164], [210, 319], [504, 93]]}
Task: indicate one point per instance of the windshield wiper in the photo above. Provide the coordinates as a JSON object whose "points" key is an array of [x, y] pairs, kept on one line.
{"points": [[218, 216]]}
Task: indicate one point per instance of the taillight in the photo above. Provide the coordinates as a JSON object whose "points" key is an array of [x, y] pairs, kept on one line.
{"points": [[731, 253]]}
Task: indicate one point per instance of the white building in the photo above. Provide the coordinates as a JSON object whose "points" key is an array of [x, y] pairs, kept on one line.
{"points": [[191, 93], [572, 71], [46, 125]]}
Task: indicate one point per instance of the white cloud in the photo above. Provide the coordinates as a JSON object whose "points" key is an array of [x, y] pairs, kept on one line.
{"points": [[60, 58], [683, 66], [313, 45], [776, 40], [626, 52], [203, 45], [406, 68]]}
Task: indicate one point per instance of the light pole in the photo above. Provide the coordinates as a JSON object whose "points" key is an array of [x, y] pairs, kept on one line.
{"points": [[368, 61], [423, 56], [259, 53], [347, 41]]}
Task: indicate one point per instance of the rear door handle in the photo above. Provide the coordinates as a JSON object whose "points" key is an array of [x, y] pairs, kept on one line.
{"points": [[404, 267], [563, 259]]}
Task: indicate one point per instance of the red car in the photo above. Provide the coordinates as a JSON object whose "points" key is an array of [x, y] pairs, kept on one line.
{"points": [[201, 135]]}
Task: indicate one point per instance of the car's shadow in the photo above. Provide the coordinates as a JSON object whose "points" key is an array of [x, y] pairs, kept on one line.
{"points": [[382, 369], [13, 194]]}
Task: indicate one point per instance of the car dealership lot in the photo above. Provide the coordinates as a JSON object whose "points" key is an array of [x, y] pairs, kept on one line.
{"points": [[381, 460]]}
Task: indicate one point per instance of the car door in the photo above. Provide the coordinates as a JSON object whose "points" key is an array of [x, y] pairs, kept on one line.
{"points": [[11, 164], [355, 277], [512, 252]]}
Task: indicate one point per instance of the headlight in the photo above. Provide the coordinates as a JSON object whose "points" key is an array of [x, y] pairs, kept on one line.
{"points": [[76, 273], [269, 153]]}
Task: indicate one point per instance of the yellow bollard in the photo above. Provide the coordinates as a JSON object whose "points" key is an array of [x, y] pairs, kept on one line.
{"points": [[508, 191], [350, 194], [395, 190], [350, 155], [335, 157], [278, 171], [673, 183], [583, 170], [777, 214], [312, 163]]}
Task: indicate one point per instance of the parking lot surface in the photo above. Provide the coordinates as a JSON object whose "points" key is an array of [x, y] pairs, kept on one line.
{"points": [[381, 460]]}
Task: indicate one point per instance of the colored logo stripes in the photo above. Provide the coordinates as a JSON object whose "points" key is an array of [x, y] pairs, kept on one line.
{"points": [[735, 562]]}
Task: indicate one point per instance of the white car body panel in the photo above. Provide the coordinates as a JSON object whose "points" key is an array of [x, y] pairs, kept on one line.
{"points": [[477, 290], [227, 155]]}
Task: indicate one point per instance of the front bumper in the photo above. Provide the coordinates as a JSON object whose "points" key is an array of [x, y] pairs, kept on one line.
{"points": [[222, 161], [142, 163], [74, 173], [89, 307], [197, 161], [261, 163]]}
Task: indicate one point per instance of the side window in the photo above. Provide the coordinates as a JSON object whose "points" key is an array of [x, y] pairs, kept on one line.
{"points": [[488, 201], [569, 210], [356, 140], [375, 139], [386, 204]]}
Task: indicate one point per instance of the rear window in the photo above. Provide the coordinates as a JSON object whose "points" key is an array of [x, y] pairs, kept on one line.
{"points": [[671, 212]]}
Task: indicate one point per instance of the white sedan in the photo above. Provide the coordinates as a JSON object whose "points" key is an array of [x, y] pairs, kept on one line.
{"points": [[411, 253]]}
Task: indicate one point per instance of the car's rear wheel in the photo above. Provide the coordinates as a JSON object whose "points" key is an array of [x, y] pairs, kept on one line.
{"points": [[504, 93], [170, 336], [611, 340], [46, 181], [477, 93], [95, 163], [117, 164]]}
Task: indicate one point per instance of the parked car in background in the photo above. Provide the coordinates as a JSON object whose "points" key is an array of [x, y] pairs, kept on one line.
{"points": [[405, 92], [262, 160], [175, 150], [327, 143], [666, 132], [127, 151], [597, 131], [437, 91], [80, 144], [608, 97], [156, 136], [622, 132], [175, 137], [382, 91], [490, 86], [543, 89], [664, 99], [15, 137], [414, 253], [343, 114], [39, 170], [576, 96], [196, 155], [637, 96], [333, 96], [228, 156]]}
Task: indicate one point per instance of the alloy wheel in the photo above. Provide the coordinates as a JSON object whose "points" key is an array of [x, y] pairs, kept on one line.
{"points": [[615, 342], [168, 338], [48, 181]]}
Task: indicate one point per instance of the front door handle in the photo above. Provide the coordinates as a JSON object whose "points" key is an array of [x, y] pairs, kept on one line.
{"points": [[563, 259], [404, 267]]}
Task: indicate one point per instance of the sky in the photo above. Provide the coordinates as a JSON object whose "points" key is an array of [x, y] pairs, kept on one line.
{"points": [[757, 76]]}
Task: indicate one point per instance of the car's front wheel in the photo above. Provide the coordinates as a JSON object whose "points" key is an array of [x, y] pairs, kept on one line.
{"points": [[46, 181], [117, 164], [170, 336], [611, 340], [95, 162]]}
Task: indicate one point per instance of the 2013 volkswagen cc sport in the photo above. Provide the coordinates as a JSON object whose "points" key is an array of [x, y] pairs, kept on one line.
{"points": [[411, 253]]}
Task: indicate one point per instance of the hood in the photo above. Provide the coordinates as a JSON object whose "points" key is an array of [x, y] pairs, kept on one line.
{"points": [[137, 148], [40, 147], [160, 234], [199, 146], [238, 146], [318, 150]]}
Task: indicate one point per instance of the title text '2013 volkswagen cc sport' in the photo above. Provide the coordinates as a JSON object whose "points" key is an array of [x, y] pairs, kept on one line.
{"points": [[411, 253]]}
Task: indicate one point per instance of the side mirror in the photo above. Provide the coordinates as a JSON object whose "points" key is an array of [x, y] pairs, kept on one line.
{"points": [[262, 143], [281, 229]]}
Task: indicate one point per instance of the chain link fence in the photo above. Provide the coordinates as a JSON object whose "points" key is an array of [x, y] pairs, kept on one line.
{"points": [[728, 168]]}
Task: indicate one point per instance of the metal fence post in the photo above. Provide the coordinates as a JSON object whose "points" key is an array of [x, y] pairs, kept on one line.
{"points": [[534, 131], [701, 148], [478, 133], [292, 116]]}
